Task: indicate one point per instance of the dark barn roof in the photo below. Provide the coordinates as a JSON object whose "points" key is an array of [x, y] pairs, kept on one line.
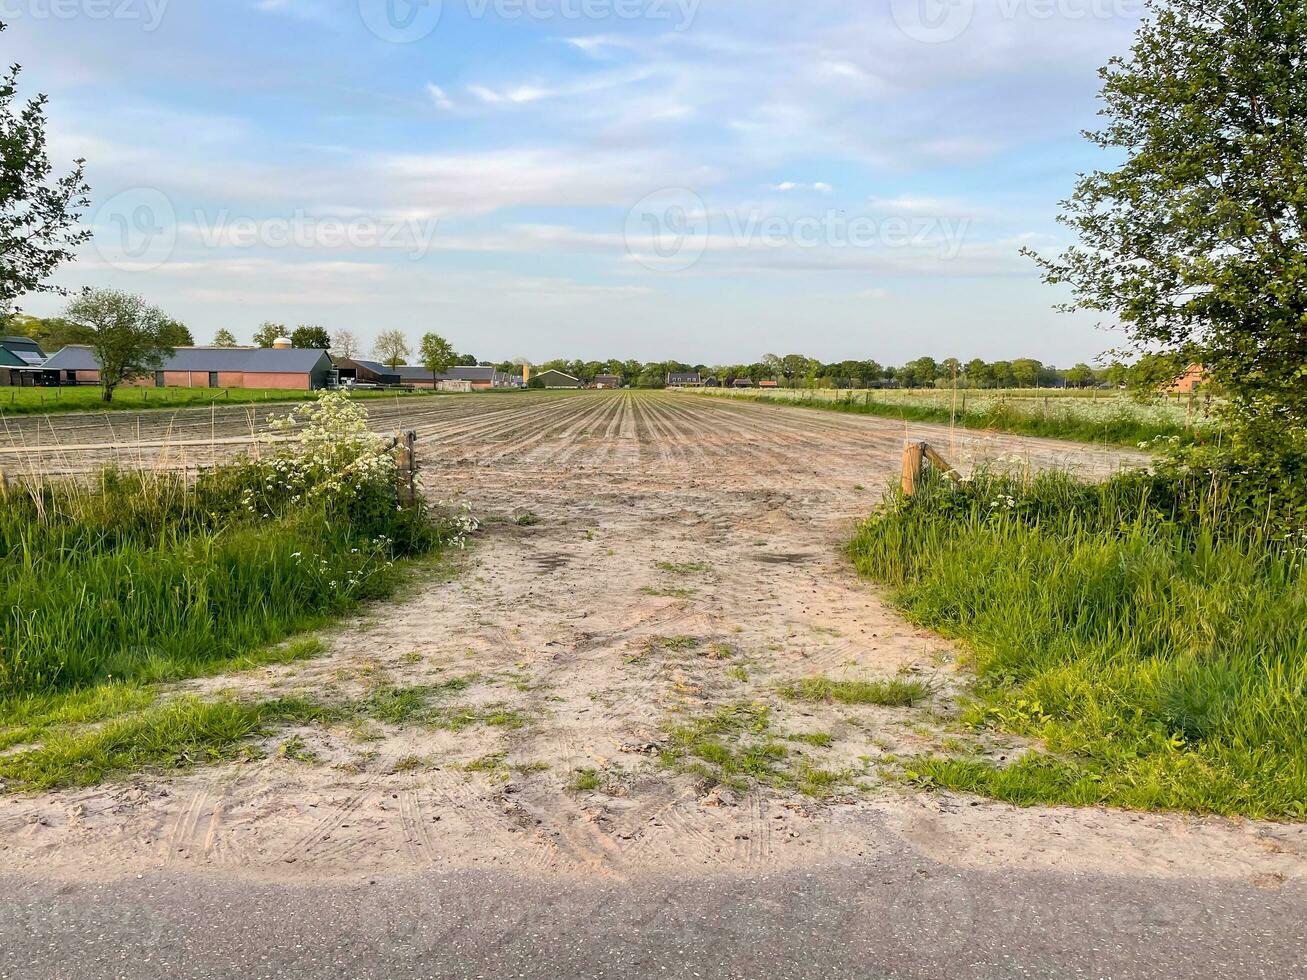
{"points": [[248, 360], [556, 376], [20, 352]]}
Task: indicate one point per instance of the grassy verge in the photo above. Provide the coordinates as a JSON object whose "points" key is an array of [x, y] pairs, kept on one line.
{"points": [[55, 401], [1152, 651], [1116, 423], [110, 589], [737, 746]]}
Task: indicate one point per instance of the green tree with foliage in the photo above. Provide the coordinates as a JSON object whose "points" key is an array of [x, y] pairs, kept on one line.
{"points": [[392, 348], [39, 213], [174, 333], [224, 338], [1195, 242], [127, 335], [308, 336], [436, 354], [1080, 376], [269, 333], [1026, 371]]}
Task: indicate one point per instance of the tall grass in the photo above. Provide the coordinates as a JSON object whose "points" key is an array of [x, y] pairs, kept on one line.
{"points": [[57, 401], [1152, 647], [1109, 421]]}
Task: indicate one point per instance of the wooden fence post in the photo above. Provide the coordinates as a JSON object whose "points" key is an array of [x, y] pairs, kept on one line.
{"points": [[406, 465], [914, 457]]}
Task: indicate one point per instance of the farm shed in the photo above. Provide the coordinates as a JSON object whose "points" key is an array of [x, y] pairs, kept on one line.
{"points": [[684, 379], [368, 372], [607, 381], [20, 362], [477, 378], [206, 367], [557, 379]]}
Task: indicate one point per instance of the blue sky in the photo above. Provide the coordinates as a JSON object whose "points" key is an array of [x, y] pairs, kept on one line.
{"points": [[702, 179]]}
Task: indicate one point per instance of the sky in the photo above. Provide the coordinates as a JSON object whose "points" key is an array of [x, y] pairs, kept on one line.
{"points": [[704, 180]]}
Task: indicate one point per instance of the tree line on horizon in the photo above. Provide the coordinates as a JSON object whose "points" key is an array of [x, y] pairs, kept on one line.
{"points": [[392, 347]]}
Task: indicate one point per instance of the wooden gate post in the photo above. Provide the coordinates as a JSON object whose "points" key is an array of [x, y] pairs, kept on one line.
{"points": [[914, 458]]}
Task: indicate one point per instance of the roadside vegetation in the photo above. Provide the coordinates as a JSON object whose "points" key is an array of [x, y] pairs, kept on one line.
{"points": [[1147, 635], [1106, 418], [54, 401], [112, 588]]}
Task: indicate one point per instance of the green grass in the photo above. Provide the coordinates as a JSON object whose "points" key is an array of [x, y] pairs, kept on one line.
{"points": [[109, 589], [1113, 421], [736, 746], [181, 734], [1151, 649], [143, 578], [586, 780], [821, 740], [668, 593], [54, 401], [683, 567], [895, 693], [423, 705]]}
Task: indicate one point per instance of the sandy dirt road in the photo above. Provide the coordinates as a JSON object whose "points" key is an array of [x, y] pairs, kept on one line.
{"points": [[645, 561]]}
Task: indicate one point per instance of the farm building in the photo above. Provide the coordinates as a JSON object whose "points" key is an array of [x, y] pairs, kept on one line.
{"points": [[206, 367], [367, 372], [474, 377], [556, 379], [1191, 380], [20, 362], [768, 384], [415, 375], [607, 381], [742, 383], [684, 379]]}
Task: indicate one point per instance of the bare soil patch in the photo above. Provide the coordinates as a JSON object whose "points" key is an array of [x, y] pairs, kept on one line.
{"points": [[646, 562]]}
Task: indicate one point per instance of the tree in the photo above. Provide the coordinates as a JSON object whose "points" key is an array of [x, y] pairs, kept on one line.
{"points": [[224, 338], [345, 345], [310, 337], [174, 333], [1196, 241], [978, 373], [52, 333], [436, 355], [38, 214], [1026, 371], [269, 333], [920, 373], [466, 360], [126, 335], [1080, 375], [392, 347]]}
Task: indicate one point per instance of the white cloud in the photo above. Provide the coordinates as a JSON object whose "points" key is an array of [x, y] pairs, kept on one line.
{"points": [[438, 96], [789, 185]]}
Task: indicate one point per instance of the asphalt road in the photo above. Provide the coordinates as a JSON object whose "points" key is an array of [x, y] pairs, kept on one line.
{"points": [[896, 917]]}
